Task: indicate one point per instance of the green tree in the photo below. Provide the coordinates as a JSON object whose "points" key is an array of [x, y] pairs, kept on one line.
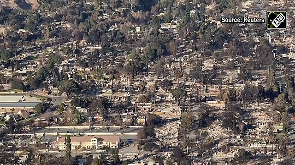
{"points": [[187, 121], [173, 47], [270, 81], [159, 68], [226, 4], [98, 4], [231, 121], [145, 59], [168, 16], [146, 5], [186, 142], [151, 54], [96, 161], [41, 107], [281, 103], [179, 94], [79, 118], [61, 108], [133, 67], [147, 131], [68, 147], [243, 155], [150, 146], [179, 156], [100, 106], [5, 55], [80, 102], [36, 80], [115, 157], [69, 87], [156, 23], [54, 58], [99, 161], [250, 93], [289, 82], [153, 120], [17, 84], [166, 84]]}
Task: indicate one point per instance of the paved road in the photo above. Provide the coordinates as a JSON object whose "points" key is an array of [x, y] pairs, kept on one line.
{"points": [[57, 100], [291, 134], [105, 130]]}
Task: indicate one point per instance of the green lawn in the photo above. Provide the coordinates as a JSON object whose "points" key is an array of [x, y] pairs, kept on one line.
{"points": [[39, 97], [23, 93], [281, 135], [277, 127], [16, 90], [12, 94]]}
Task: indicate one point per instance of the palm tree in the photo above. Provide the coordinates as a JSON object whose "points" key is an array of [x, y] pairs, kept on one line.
{"points": [[68, 147], [145, 60]]}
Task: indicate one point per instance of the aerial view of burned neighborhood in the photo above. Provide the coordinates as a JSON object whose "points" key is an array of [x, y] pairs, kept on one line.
{"points": [[147, 82]]}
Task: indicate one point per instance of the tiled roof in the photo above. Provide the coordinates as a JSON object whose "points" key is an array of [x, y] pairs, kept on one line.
{"points": [[108, 138]]}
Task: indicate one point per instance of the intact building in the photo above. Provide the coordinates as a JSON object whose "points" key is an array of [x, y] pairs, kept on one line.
{"points": [[89, 142]]}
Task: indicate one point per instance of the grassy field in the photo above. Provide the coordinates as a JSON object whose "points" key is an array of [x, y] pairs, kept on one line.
{"points": [[13, 92], [281, 135], [39, 97]]}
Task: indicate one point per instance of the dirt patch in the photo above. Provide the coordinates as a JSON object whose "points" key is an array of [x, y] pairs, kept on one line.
{"points": [[2, 30], [23, 4], [8, 3], [34, 3]]}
